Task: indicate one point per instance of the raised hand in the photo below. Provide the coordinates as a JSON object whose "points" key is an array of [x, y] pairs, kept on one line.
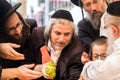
{"points": [[26, 73], [7, 51], [23, 72], [84, 58]]}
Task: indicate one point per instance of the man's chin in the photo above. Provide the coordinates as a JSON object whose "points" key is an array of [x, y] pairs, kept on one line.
{"points": [[18, 38], [58, 48], [97, 14]]}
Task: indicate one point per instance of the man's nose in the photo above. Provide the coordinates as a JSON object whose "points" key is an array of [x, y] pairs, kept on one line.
{"points": [[93, 6], [61, 38], [17, 31], [99, 58]]}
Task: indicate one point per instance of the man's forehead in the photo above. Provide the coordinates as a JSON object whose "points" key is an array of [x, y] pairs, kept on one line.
{"points": [[87, 1], [12, 18], [12, 21]]}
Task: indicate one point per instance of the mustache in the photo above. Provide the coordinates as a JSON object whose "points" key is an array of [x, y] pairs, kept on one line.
{"points": [[95, 11], [61, 43]]}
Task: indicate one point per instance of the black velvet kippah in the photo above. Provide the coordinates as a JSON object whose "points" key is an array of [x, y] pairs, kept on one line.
{"points": [[114, 8], [63, 14]]}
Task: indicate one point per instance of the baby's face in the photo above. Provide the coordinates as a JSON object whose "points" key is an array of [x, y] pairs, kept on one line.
{"points": [[99, 52]]}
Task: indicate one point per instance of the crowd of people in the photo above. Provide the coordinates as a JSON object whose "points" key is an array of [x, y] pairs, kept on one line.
{"points": [[103, 69], [89, 51]]}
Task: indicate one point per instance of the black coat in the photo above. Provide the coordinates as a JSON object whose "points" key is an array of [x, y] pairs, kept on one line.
{"points": [[69, 65], [87, 34]]}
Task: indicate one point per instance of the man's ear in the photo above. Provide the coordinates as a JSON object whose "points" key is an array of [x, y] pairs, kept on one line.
{"points": [[115, 30]]}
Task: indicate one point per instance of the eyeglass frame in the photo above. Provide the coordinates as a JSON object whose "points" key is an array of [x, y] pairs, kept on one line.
{"points": [[13, 28], [96, 56]]}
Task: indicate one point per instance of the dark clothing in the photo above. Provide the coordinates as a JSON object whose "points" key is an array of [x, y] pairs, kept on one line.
{"points": [[69, 65], [0, 71], [24, 47], [87, 34], [23, 42], [15, 63], [5, 63]]}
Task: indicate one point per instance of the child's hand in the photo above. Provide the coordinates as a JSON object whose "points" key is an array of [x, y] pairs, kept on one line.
{"points": [[84, 58]]}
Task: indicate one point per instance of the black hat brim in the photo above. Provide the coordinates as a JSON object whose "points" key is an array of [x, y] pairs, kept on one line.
{"points": [[75, 2], [14, 8]]}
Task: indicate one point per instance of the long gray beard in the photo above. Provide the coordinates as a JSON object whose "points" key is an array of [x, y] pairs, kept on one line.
{"points": [[95, 21]]}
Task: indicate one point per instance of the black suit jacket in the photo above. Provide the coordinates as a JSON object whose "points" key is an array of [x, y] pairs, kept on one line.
{"points": [[87, 34]]}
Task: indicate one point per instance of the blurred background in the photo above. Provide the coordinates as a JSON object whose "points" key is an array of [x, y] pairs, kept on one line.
{"points": [[41, 10]]}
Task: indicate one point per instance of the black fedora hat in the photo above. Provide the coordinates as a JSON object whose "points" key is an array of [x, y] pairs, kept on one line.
{"points": [[6, 10], [77, 2]]}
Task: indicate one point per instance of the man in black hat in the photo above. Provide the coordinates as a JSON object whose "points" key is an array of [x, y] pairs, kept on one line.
{"points": [[89, 26], [110, 28], [13, 29], [57, 42]]}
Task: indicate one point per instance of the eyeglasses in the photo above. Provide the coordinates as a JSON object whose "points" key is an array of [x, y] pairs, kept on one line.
{"points": [[101, 56], [18, 25]]}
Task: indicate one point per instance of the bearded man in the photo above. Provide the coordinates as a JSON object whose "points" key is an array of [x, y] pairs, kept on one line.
{"points": [[14, 38], [13, 30], [89, 26]]}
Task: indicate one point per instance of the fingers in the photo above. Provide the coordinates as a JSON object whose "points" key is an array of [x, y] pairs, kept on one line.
{"points": [[16, 55], [85, 58], [47, 77], [31, 75], [85, 54], [14, 45], [7, 51], [28, 73], [38, 68], [29, 65]]}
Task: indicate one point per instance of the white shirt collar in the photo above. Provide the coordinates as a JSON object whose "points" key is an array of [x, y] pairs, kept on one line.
{"points": [[55, 54]]}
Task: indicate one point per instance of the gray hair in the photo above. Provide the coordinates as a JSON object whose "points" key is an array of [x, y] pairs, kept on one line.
{"points": [[60, 21]]}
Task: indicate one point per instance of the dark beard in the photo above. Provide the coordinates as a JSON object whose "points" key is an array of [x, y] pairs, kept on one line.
{"points": [[14, 40], [20, 41]]}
